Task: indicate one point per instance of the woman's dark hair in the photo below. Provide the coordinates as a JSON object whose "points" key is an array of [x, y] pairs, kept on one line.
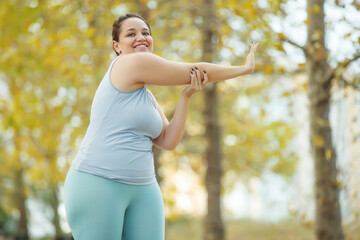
{"points": [[118, 23]]}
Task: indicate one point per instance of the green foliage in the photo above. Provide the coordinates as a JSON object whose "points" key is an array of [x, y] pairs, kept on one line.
{"points": [[7, 224]]}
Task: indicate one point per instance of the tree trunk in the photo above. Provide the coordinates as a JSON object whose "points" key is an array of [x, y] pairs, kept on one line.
{"points": [[328, 215], [214, 228], [20, 198], [59, 235]]}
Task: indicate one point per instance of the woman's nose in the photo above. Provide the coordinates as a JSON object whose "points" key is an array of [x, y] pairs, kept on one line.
{"points": [[140, 36]]}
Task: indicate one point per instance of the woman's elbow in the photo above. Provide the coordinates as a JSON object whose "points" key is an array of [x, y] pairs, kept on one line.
{"points": [[170, 146], [166, 145]]}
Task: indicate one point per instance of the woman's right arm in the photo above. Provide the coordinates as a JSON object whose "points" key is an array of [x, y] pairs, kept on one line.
{"points": [[141, 68]]}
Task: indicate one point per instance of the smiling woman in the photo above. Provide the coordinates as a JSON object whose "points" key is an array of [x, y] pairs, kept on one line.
{"points": [[111, 190], [134, 37]]}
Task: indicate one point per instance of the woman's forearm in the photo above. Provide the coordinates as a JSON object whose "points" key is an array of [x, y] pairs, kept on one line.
{"points": [[174, 131], [218, 73]]}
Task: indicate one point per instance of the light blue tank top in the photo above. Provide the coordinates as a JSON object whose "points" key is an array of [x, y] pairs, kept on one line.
{"points": [[118, 142]]}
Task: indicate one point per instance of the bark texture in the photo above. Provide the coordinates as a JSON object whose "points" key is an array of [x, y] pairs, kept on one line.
{"points": [[214, 227], [59, 235], [20, 198], [328, 216]]}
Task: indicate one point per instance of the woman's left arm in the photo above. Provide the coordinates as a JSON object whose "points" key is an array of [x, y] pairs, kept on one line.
{"points": [[172, 132]]}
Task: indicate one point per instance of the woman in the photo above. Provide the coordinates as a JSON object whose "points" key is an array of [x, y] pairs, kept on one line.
{"points": [[110, 190]]}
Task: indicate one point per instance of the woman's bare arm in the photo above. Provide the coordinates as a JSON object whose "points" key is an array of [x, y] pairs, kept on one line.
{"points": [[172, 132], [141, 68]]}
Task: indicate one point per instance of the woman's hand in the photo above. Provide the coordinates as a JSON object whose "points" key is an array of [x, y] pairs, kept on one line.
{"points": [[196, 83], [172, 132], [250, 59]]}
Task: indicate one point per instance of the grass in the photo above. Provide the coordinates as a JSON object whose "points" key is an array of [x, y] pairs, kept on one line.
{"points": [[192, 229], [249, 230]]}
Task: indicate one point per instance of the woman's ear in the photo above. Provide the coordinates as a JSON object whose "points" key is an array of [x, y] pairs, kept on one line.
{"points": [[116, 47]]}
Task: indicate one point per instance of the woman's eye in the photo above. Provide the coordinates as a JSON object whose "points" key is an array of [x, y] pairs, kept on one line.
{"points": [[131, 34], [146, 33]]}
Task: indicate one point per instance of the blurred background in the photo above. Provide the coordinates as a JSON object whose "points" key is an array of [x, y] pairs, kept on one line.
{"points": [[245, 168]]}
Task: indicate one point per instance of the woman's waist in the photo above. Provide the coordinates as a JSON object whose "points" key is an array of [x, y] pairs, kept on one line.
{"points": [[128, 176]]}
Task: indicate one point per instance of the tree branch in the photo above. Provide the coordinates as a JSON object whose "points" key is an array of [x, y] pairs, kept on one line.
{"points": [[294, 44], [346, 62], [283, 38], [340, 68], [351, 84]]}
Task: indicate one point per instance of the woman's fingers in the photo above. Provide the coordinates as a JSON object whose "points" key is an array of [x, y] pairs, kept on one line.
{"points": [[254, 46], [192, 77], [198, 79], [206, 79], [197, 82]]}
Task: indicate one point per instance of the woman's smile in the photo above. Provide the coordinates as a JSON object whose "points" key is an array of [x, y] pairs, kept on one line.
{"points": [[135, 37]]}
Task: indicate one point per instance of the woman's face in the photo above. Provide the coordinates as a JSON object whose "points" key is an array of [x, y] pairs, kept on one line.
{"points": [[134, 37]]}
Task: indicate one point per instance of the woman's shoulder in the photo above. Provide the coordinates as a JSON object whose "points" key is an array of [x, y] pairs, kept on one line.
{"points": [[121, 74], [136, 57]]}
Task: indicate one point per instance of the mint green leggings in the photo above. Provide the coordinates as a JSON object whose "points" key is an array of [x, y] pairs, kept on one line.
{"points": [[98, 208]]}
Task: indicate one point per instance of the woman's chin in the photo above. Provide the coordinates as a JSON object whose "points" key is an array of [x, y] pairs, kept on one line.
{"points": [[143, 49]]}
